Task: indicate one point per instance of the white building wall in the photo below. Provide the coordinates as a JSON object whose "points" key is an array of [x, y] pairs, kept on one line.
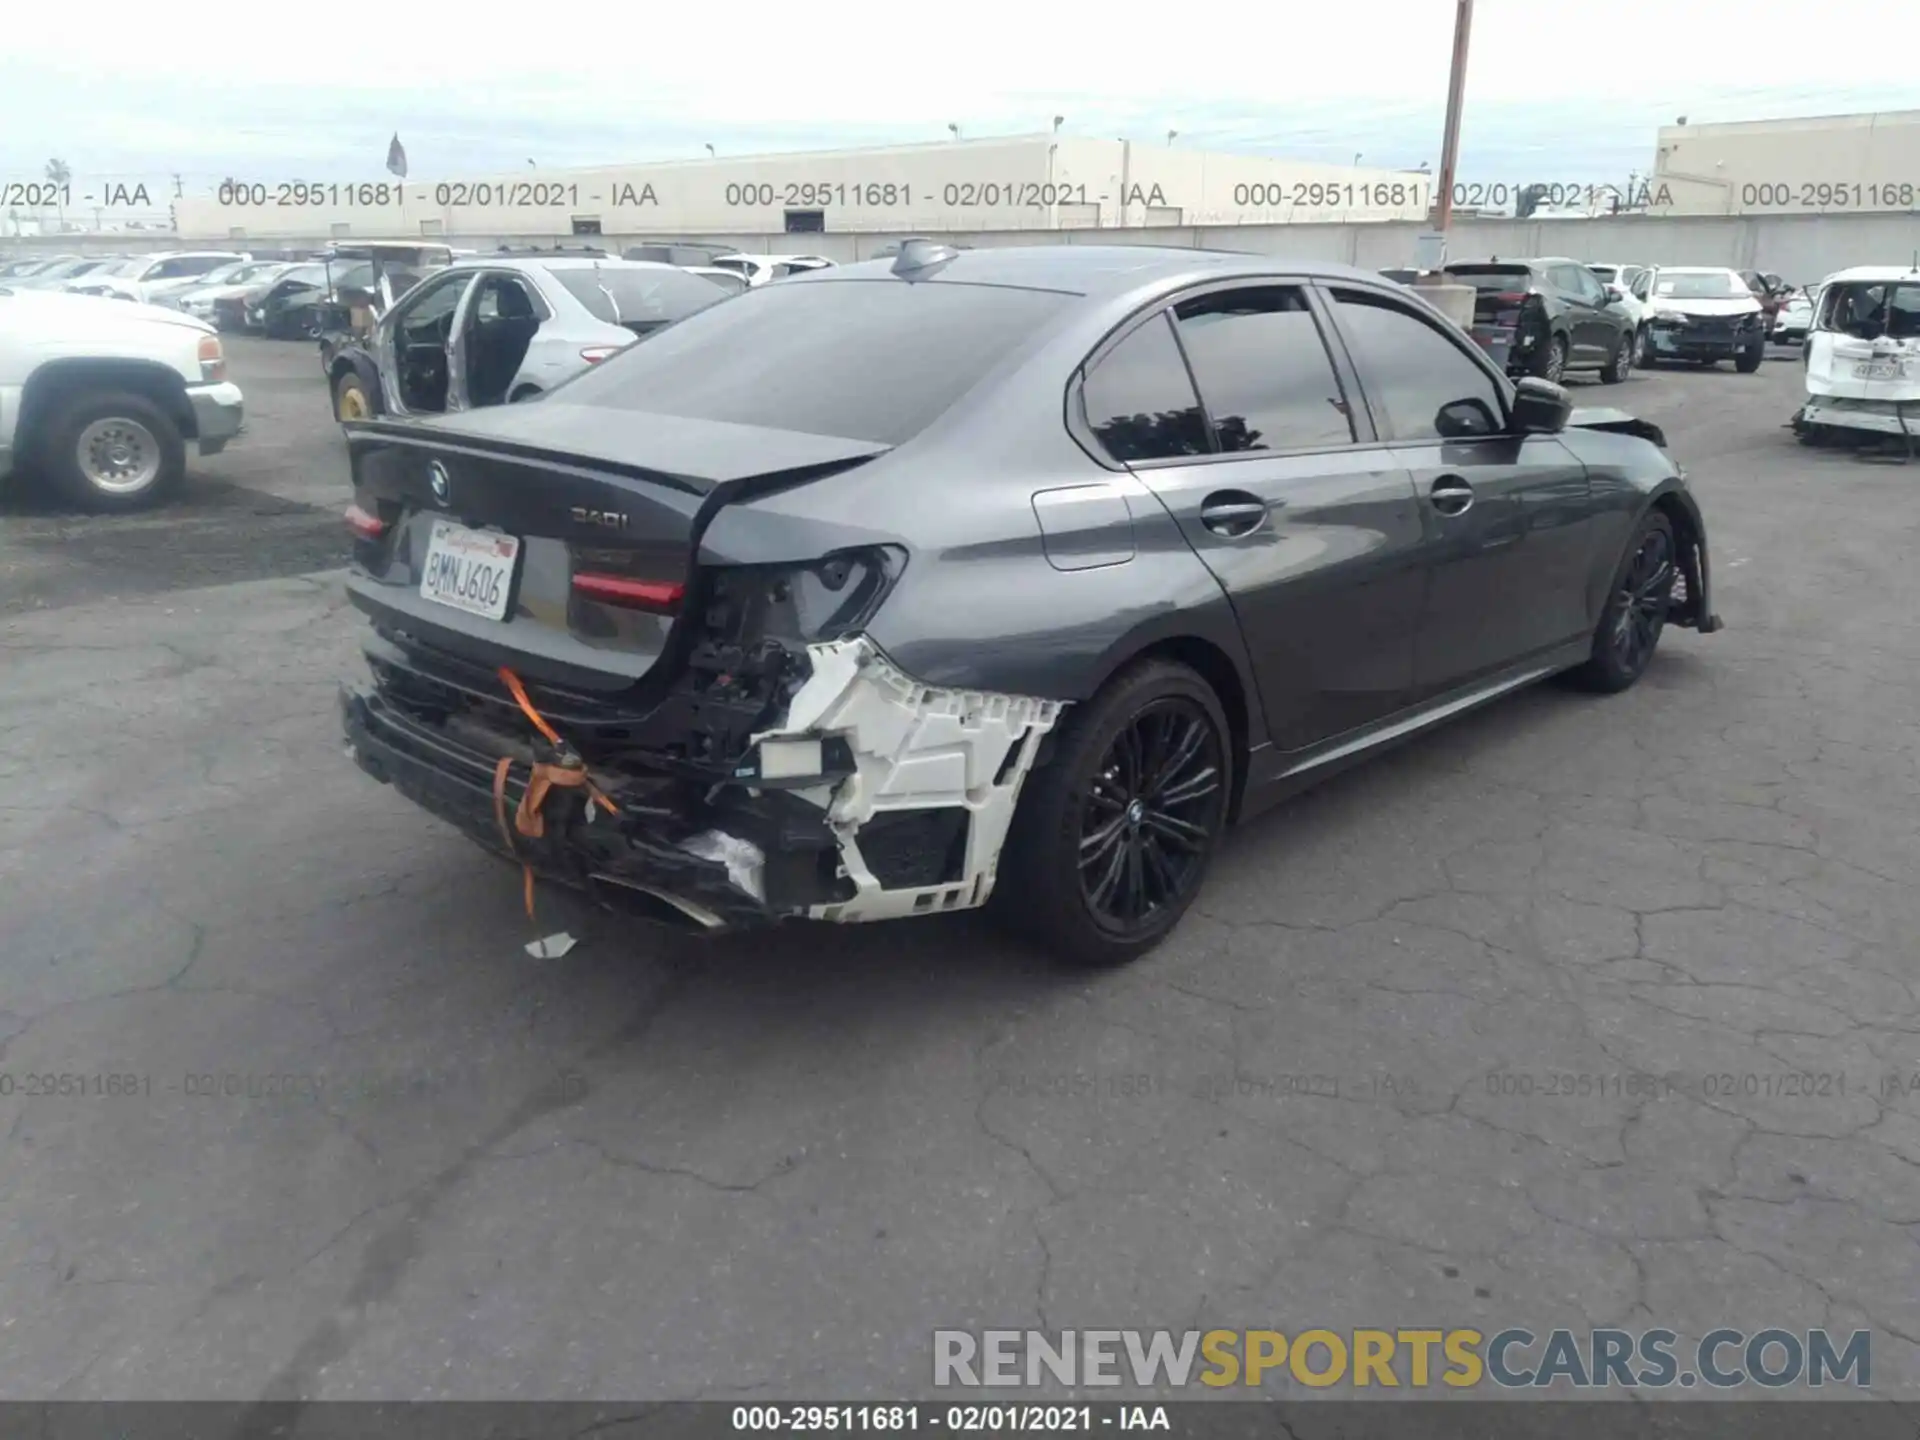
{"points": [[1839, 164], [1027, 183]]}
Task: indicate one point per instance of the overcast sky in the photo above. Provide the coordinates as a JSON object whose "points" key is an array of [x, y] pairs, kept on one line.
{"points": [[1552, 94]]}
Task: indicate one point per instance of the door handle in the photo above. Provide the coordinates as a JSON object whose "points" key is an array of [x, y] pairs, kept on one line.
{"points": [[1451, 495], [1233, 513]]}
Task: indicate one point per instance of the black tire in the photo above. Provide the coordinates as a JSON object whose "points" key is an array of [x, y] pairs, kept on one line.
{"points": [[89, 435], [525, 392], [1642, 349], [1051, 885], [1748, 360], [1550, 361], [1619, 362], [351, 399], [1635, 614]]}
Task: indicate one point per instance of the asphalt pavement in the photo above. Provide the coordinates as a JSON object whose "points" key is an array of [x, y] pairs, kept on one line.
{"points": [[332, 1133]]}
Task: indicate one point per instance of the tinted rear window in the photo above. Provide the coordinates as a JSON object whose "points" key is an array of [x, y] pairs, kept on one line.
{"points": [[626, 297], [1492, 277], [875, 360]]}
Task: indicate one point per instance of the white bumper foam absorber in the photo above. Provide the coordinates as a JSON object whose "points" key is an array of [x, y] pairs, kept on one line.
{"points": [[915, 747]]}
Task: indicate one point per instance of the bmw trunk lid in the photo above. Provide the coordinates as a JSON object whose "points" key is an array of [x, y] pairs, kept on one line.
{"points": [[553, 538]]}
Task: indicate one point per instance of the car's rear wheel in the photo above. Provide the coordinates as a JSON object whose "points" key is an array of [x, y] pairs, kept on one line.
{"points": [[1619, 362], [113, 451], [1550, 363], [1113, 838], [1636, 610], [350, 399]]}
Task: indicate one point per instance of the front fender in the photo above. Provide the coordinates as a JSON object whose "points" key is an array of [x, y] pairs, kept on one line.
{"points": [[1694, 609]]}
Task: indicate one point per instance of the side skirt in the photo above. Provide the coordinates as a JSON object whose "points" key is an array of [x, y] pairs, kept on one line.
{"points": [[1274, 776]]}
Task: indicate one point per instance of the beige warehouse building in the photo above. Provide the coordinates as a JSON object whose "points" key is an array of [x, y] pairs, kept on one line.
{"points": [[1832, 164], [1035, 182]]}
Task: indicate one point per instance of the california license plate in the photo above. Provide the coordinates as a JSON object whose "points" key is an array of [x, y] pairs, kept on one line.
{"points": [[470, 570], [1876, 370]]}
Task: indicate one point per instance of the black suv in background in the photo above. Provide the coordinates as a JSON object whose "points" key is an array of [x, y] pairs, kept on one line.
{"points": [[1546, 317]]}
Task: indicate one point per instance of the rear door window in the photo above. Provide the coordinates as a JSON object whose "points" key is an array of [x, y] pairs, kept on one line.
{"points": [[1140, 401], [1263, 370], [876, 360]]}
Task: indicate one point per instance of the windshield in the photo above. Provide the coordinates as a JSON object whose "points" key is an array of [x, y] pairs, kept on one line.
{"points": [[638, 297], [863, 359], [1700, 285], [1870, 312]]}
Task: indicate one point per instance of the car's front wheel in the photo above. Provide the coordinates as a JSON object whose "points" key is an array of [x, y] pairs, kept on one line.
{"points": [[1113, 837], [1636, 610], [113, 451], [1748, 360], [350, 399], [1642, 348]]}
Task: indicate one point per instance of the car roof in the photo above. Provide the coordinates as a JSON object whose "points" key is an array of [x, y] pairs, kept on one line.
{"points": [[1094, 270], [555, 262], [1701, 270], [1872, 274]]}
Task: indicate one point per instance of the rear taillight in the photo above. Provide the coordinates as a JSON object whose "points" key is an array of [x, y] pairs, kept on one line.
{"points": [[661, 596], [367, 527], [594, 354]]}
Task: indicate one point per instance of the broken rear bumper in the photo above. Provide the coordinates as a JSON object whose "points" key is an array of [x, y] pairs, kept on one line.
{"points": [[623, 864]]}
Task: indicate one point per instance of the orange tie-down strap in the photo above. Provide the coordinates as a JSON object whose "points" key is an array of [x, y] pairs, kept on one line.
{"points": [[570, 773]]}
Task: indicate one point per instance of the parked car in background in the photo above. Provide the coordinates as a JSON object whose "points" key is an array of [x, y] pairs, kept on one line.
{"points": [[1548, 317], [1401, 277], [1795, 316], [102, 400], [200, 300], [1704, 314], [1769, 289], [294, 307], [162, 292], [760, 269], [687, 254], [501, 328], [245, 310], [1863, 356], [731, 281], [133, 279], [26, 267], [846, 617], [56, 276], [1621, 278]]}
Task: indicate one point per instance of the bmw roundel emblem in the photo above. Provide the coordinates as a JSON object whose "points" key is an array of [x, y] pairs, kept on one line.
{"points": [[441, 482]]}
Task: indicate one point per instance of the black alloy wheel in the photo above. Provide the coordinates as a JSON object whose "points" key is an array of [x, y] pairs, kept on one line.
{"points": [[1149, 815], [1114, 832], [1636, 610], [1553, 360]]}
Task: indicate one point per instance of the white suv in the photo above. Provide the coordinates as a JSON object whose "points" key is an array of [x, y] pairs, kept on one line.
{"points": [[759, 269], [103, 399]]}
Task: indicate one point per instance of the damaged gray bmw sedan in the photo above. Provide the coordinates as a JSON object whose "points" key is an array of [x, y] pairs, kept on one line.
{"points": [[1007, 574]]}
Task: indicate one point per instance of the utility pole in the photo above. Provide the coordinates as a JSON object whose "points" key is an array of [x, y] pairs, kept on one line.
{"points": [[1451, 298], [1456, 99]]}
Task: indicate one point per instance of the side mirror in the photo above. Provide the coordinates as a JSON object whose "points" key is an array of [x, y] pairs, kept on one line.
{"points": [[1614, 293], [1540, 407], [1465, 420]]}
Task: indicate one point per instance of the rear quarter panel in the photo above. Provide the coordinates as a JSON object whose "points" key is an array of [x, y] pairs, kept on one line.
{"points": [[980, 605]]}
